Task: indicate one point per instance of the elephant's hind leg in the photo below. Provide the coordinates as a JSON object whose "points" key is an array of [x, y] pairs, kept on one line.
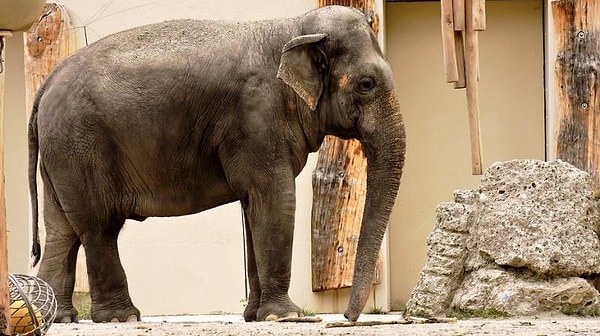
{"points": [[59, 259], [108, 284]]}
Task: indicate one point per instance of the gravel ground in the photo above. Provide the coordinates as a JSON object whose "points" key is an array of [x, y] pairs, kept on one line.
{"points": [[233, 325]]}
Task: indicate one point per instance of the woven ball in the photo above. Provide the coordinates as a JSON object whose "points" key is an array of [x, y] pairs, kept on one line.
{"points": [[21, 319], [33, 305]]}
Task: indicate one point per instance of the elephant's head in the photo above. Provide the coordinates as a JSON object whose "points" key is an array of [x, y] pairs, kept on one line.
{"points": [[336, 66]]}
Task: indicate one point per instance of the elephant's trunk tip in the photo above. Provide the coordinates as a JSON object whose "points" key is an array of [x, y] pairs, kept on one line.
{"points": [[351, 316]]}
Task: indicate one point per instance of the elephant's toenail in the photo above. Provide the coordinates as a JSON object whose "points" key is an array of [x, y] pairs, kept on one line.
{"points": [[271, 317], [132, 318], [114, 320]]}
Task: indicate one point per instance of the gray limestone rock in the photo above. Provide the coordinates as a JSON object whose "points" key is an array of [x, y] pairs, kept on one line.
{"points": [[446, 256], [538, 215], [518, 293], [521, 243]]}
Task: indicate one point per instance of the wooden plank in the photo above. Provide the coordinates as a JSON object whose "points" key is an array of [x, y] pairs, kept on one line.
{"points": [[458, 7], [448, 43], [49, 40], [339, 191], [459, 48], [577, 65], [477, 10], [471, 70], [4, 291]]}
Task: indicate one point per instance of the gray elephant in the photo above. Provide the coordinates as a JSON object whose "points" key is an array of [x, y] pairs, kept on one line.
{"points": [[182, 116]]}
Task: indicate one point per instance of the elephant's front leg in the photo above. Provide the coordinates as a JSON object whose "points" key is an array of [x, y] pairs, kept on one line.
{"points": [[271, 213], [254, 296]]}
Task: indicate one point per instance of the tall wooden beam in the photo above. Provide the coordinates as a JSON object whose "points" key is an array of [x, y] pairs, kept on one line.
{"points": [[577, 91], [339, 192]]}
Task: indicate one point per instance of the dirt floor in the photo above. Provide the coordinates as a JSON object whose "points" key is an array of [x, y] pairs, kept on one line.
{"points": [[234, 326]]}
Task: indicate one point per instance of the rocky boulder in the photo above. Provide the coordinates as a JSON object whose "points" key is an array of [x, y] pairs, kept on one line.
{"points": [[522, 243]]}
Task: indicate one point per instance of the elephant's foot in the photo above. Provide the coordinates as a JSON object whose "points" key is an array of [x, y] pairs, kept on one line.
{"points": [[66, 315], [107, 313], [250, 313], [272, 311]]}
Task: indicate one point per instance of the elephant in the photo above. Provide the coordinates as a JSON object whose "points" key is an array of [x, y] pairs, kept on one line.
{"points": [[178, 117]]}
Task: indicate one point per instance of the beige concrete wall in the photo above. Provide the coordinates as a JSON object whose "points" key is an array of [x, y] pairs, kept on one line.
{"points": [[438, 150], [15, 153]]}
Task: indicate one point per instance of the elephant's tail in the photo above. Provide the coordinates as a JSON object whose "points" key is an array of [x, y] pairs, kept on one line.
{"points": [[36, 249]]}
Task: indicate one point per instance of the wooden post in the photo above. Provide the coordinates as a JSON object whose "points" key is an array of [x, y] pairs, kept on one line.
{"points": [[577, 91], [339, 191], [473, 24], [50, 39], [4, 290]]}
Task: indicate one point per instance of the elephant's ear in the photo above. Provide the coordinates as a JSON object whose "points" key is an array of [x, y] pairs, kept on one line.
{"points": [[300, 67]]}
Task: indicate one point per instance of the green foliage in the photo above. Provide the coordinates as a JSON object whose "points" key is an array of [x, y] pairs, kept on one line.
{"points": [[307, 312], [244, 302], [82, 301], [463, 314]]}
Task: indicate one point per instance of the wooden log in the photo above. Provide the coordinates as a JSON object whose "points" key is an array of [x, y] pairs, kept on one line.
{"points": [[448, 42], [346, 324], [577, 90], [50, 39], [4, 290], [407, 320], [305, 319], [472, 81], [339, 191]]}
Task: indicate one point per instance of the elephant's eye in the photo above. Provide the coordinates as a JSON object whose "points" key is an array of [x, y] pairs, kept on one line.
{"points": [[366, 84]]}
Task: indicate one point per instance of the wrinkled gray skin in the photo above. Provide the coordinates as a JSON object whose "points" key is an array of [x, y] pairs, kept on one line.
{"points": [[182, 116]]}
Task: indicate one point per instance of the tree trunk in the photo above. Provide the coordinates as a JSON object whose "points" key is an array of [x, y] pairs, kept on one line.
{"points": [[577, 71], [4, 291], [51, 38], [339, 190]]}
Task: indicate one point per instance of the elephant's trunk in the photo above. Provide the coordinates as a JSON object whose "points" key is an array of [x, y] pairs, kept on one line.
{"points": [[384, 146]]}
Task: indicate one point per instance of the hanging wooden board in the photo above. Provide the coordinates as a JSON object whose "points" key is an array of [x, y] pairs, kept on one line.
{"points": [[51, 38], [577, 90], [339, 191], [448, 42]]}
